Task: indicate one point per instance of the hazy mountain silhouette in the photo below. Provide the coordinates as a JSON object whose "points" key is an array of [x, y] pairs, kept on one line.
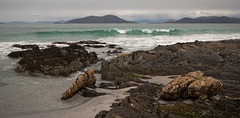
{"points": [[210, 19], [99, 19]]}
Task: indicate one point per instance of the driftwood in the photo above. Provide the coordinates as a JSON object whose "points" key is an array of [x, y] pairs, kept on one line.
{"points": [[84, 80]]}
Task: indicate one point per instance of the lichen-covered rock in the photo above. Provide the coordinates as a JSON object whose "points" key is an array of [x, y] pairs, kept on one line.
{"points": [[193, 85], [85, 80]]}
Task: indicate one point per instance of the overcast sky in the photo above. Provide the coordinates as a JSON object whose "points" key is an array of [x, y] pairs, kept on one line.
{"points": [[52, 10]]}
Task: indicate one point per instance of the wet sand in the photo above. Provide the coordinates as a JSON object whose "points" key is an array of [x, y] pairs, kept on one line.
{"points": [[85, 110]]}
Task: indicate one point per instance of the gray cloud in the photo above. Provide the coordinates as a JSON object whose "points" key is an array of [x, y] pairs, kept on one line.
{"points": [[34, 10]]}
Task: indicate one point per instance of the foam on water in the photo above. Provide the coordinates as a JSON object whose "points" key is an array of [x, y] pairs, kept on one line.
{"points": [[145, 43]]}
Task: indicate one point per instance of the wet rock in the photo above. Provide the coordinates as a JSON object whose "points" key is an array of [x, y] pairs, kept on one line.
{"points": [[34, 47], [114, 52], [120, 81], [144, 77], [54, 61], [62, 42], [91, 93], [112, 46], [119, 48], [18, 54], [94, 46], [90, 42], [147, 89], [101, 114], [135, 107], [85, 80], [105, 85], [127, 84], [193, 85]]}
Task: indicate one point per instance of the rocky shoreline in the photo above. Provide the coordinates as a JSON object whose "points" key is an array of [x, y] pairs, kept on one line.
{"points": [[207, 60], [220, 60]]}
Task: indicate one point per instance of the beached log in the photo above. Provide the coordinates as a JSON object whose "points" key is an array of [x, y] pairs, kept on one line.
{"points": [[85, 80]]}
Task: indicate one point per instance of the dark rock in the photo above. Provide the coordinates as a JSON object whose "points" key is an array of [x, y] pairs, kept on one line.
{"points": [[119, 48], [105, 85], [34, 47], [144, 77], [135, 107], [120, 81], [98, 71], [218, 59], [114, 52], [90, 42], [91, 93], [54, 61], [94, 46], [127, 84], [176, 59], [112, 46], [51, 46], [227, 105], [101, 114]]}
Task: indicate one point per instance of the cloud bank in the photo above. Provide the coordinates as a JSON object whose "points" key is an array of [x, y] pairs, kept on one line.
{"points": [[52, 10]]}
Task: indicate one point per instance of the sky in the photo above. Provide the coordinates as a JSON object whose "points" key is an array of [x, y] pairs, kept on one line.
{"points": [[54, 10]]}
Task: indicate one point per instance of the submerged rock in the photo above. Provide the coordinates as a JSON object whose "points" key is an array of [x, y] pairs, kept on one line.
{"points": [[193, 85]]}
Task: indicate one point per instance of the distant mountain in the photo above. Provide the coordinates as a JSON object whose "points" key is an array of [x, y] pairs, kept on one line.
{"points": [[98, 19], [210, 19]]}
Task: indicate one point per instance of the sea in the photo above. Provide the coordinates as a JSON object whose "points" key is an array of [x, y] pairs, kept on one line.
{"points": [[22, 94]]}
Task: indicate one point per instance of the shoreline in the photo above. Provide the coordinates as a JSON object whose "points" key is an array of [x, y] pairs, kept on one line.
{"points": [[104, 102]]}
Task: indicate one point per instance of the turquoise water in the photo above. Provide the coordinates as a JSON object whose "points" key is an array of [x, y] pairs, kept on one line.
{"points": [[22, 93], [130, 36], [75, 32]]}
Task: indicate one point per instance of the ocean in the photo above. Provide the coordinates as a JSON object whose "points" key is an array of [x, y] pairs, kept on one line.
{"points": [[24, 94]]}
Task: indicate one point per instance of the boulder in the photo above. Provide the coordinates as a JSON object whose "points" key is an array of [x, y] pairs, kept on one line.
{"points": [[193, 85], [85, 80]]}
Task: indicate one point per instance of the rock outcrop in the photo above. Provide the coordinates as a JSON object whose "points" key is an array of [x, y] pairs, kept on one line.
{"points": [[193, 85], [220, 59], [54, 61], [140, 104], [85, 80]]}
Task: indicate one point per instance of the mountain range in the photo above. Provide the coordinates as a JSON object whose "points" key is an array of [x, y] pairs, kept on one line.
{"points": [[115, 19], [210, 19], [99, 19]]}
